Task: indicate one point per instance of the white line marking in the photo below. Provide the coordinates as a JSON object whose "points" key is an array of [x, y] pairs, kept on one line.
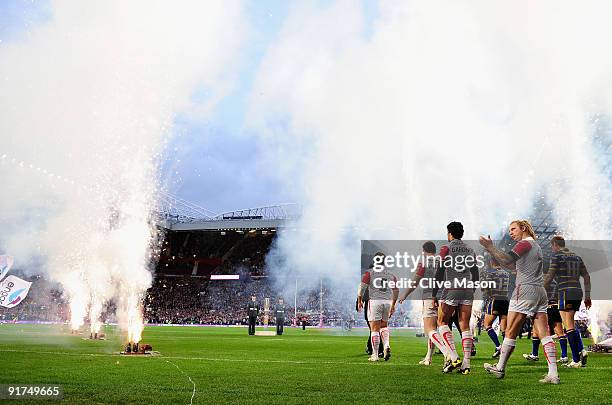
{"points": [[182, 372], [323, 362]]}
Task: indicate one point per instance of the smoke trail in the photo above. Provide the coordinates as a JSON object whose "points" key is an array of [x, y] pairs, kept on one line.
{"points": [[87, 101], [434, 111]]}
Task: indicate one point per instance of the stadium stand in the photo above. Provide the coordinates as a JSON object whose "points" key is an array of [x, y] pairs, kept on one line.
{"points": [[183, 293]]}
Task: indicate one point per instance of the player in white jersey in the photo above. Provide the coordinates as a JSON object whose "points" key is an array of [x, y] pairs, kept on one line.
{"points": [[381, 305], [528, 299], [458, 265], [427, 270]]}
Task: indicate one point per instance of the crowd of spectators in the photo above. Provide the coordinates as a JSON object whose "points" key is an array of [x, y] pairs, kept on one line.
{"points": [[250, 253], [183, 292], [199, 300], [192, 300], [185, 300], [174, 300], [217, 252]]}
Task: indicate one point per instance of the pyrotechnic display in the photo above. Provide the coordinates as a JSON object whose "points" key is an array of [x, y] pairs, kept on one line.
{"points": [[295, 202]]}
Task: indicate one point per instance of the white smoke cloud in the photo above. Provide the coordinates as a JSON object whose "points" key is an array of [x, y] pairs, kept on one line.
{"points": [[443, 111], [87, 101]]}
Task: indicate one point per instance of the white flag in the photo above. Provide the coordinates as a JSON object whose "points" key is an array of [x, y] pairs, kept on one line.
{"points": [[13, 290], [6, 262]]}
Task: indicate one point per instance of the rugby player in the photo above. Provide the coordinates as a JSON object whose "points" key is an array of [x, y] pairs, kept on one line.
{"points": [[381, 306], [496, 303], [528, 298], [555, 328], [456, 298], [566, 268], [455, 321], [430, 313], [365, 298]]}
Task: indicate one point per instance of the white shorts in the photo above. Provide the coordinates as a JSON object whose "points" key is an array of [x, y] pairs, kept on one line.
{"points": [[528, 299], [378, 310], [428, 311], [456, 303]]}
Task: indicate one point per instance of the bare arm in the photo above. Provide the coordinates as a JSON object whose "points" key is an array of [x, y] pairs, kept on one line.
{"points": [[394, 300], [360, 292], [365, 283], [395, 294], [439, 279], [552, 271], [504, 259], [475, 273], [587, 285], [415, 282], [548, 278]]}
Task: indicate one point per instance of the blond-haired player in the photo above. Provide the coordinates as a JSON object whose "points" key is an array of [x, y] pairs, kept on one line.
{"points": [[528, 298]]}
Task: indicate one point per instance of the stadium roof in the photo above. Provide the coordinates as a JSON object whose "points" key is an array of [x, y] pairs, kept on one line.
{"points": [[179, 215]]}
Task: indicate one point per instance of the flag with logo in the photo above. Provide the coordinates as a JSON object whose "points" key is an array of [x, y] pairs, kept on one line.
{"points": [[6, 262], [13, 290]]}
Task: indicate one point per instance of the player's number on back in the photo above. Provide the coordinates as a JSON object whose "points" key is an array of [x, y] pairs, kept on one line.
{"points": [[573, 268]]}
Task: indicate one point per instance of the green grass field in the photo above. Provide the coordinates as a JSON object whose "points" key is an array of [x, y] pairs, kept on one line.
{"points": [[313, 366]]}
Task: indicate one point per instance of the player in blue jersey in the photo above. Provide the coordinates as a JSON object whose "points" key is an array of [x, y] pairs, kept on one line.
{"points": [[497, 302], [566, 268]]}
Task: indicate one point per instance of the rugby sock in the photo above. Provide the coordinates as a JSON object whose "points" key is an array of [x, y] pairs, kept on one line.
{"points": [[493, 335], [384, 334], [535, 346], [430, 347], [449, 341], [506, 350], [375, 342], [580, 344], [550, 350], [467, 340], [572, 339], [563, 344], [434, 337]]}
